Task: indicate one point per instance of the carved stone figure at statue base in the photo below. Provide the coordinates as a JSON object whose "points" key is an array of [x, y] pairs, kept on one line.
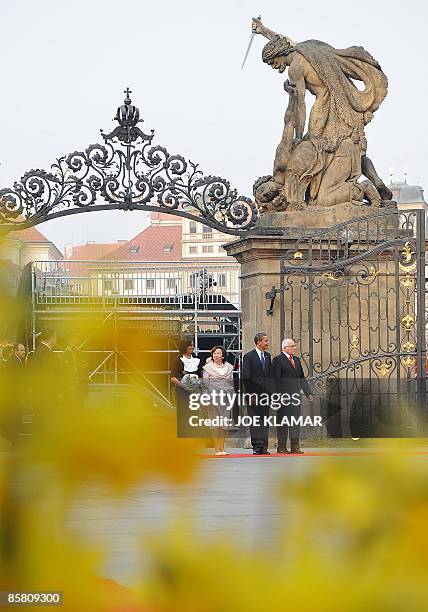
{"points": [[324, 167]]}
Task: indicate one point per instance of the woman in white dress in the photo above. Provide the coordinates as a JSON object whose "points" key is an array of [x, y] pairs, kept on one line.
{"points": [[218, 375], [185, 366]]}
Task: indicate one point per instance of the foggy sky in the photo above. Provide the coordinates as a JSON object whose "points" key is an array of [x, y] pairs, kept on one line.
{"points": [[66, 63]]}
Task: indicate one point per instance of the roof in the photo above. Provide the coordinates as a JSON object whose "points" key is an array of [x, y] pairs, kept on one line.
{"points": [[85, 252], [404, 193], [89, 251], [30, 234], [164, 218], [154, 243]]}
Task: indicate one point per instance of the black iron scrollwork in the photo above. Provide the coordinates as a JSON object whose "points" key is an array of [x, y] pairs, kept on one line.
{"points": [[352, 241], [128, 173]]}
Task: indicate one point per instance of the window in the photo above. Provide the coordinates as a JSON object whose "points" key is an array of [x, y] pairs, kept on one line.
{"points": [[150, 283], [108, 285], [192, 227], [207, 232], [129, 284], [193, 249], [134, 249], [207, 248], [167, 248], [171, 283], [221, 282]]}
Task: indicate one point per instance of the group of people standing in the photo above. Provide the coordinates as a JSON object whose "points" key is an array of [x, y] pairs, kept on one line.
{"points": [[260, 375], [217, 374], [47, 379], [34, 382], [283, 374]]}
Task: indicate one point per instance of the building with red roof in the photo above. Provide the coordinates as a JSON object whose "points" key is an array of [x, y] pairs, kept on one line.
{"points": [[27, 245], [82, 255], [20, 248], [170, 256], [157, 242]]}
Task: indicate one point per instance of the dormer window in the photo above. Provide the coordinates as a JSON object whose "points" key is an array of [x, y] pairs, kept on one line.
{"points": [[134, 249], [167, 248]]}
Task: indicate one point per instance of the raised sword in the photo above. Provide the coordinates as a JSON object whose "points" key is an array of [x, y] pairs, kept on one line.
{"points": [[250, 44]]}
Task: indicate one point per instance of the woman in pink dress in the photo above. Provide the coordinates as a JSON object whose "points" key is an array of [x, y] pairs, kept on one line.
{"points": [[218, 375]]}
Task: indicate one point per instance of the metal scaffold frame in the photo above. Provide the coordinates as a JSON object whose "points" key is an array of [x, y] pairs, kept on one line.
{"points": [[136, 299]]}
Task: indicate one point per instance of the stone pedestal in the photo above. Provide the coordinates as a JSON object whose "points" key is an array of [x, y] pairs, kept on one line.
{"points": [[259, 256], [299, 223]]}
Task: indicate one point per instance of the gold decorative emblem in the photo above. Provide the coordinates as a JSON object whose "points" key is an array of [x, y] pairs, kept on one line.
{"points": [[407, 321], [384, 368], [355, 341], [408, 268], [407, 281], [407, 263], [408, 361], [408, 347], [333, 276], [407, 253], [373, 272], [297, 255]]}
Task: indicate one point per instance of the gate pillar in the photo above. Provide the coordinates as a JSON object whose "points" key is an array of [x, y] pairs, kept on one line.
{"points": [[260, 256]]}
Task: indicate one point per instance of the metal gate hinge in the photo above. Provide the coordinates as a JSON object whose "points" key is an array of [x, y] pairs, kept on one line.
{"points": [[271, 295]]}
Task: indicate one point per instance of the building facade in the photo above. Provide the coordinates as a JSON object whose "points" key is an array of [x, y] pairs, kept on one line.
{"points": [[171, 259]]}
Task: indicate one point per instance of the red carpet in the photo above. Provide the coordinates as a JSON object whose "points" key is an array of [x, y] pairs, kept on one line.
{"points": [[350, 453]]}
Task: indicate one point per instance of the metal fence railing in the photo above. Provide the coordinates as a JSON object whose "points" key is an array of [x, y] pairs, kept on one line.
{"points": [[136, 283]]}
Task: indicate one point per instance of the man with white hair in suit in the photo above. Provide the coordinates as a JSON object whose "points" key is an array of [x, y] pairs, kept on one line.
{"points": [[289, 378]]}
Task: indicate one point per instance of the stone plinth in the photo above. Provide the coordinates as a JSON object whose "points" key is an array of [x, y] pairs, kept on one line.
{"points": [[313, 219], [259, 256]]}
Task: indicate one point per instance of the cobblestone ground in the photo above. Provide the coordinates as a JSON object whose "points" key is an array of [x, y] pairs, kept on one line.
{"points": [[236, 499]]}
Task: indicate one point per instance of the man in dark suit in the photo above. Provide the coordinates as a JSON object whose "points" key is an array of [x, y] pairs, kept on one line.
{"points": [[17, 359], [14, 393], [289, 378], [44, 359], [74, 373], [256, 373], [45, 373]]}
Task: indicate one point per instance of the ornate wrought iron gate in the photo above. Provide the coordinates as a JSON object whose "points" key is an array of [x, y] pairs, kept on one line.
{"points": [[353, 297], [127, 172]]}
